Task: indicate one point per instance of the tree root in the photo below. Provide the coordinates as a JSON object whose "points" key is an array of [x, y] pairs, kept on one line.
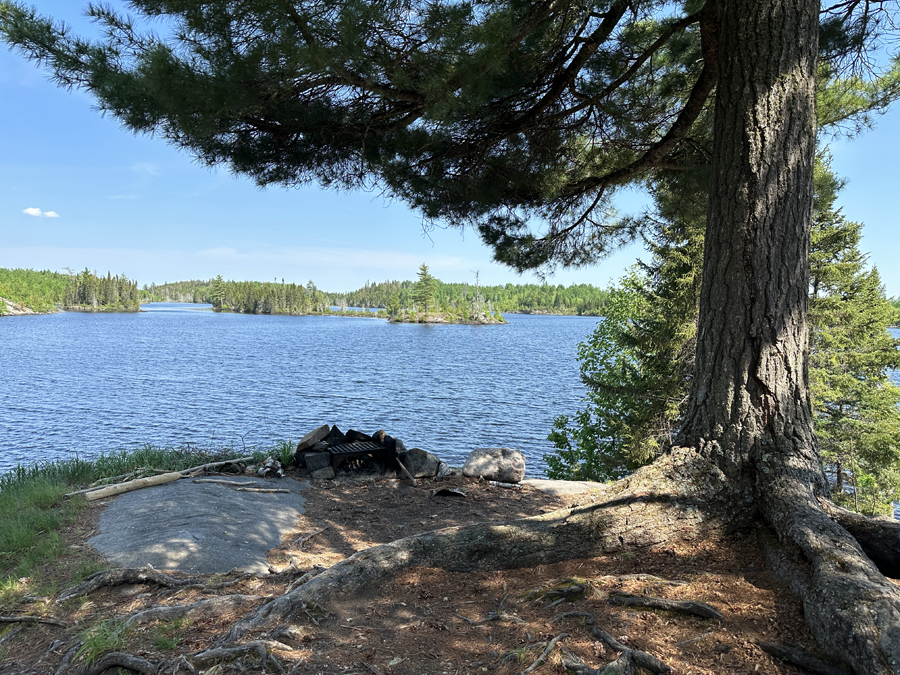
{"points": [[700, 609], [636, 514], [33, 619], [798, 658], [878, 537], [231, 653], [545, 654], [119, 660], [124, 575], [851, 608], [630, 658], [218, 605]]}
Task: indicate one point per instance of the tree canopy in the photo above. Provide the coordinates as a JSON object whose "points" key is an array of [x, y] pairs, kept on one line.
{"points": [[500, 114]]}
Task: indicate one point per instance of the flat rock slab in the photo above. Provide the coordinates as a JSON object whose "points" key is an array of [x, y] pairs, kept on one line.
{"points": [[199, 528]]}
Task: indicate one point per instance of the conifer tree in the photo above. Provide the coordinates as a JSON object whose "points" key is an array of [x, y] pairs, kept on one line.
{"points": [[423, 293], [637, 364], [856, 406]]}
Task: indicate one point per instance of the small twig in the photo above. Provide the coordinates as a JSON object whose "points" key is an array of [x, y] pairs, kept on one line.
{"points": [[278, 490], [695, 639], [224, 482], [371, 667], [302, 540], [545, 654], [642, 577]]}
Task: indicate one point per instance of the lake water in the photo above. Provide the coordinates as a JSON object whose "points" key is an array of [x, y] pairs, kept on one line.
{"points": [[183, 374]]}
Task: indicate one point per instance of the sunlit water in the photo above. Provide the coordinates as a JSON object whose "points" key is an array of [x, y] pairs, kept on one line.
{"points": [[177, 374]]}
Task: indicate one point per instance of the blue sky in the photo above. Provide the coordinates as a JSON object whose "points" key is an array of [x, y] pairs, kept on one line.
{"points": [[76, 190]]}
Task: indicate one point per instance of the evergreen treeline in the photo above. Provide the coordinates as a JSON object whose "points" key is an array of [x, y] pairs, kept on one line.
{"points": [[261, 297], [88, 291], [581, 299], [45, 291], [179, 291]]}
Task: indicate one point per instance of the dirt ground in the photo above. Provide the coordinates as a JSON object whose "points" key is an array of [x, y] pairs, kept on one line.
{"points": [[428, 621]]}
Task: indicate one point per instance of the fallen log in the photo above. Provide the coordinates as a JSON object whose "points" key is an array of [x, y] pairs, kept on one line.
{"points": [[119, 488]]}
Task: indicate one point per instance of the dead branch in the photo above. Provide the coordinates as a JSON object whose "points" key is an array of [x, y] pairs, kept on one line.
{"points": [[302, 540], [194, 470], [801, 659], [639, 658], [700, 609], [11, 634], [508, 486], [545, 654], [281, 490], [35, 619], [123, 575], [137, 484], [406, 473], [221, 481]]}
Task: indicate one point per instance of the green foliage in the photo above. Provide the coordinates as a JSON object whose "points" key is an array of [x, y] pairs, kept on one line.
{"points": [[38, 291], [517, 119], [637, 363], [856, 407], [88, 291], [424, 289], [109, 636]]}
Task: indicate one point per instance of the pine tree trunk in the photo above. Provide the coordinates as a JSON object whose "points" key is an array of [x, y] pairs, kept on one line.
{"points": [[750, 405], [750, 411]]}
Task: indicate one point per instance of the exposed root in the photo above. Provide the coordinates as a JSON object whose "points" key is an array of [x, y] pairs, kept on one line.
{"points": [[33, 619], [119, 660], [879, 537], [587, 617], [700, 609], [195, 610], [631, 659], [659, 503], [798, 658], [232, 653], [124, 575], [492, 616], [850, 607], [545, 654]]}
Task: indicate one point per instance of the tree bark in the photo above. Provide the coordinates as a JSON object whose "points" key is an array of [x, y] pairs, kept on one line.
{"points": [[750, 411]]}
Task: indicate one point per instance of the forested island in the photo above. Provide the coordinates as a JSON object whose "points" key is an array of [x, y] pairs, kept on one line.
{"points": [[28, 291], [272, 297]]}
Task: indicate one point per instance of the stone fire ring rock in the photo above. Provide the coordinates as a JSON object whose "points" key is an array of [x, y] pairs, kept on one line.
{"points": [[199, 528]]}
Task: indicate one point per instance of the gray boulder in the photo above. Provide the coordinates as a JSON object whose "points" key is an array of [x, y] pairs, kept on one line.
{"points": [[325, 473], [502, 464], [310, 440], [317, 460], [421, 464]]}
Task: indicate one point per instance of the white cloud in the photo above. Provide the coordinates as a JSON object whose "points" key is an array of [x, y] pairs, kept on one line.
{"points": [[145, 167], [38, 213]]}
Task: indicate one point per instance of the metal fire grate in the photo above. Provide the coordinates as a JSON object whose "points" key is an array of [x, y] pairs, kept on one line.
{"points": [[341, 453]]}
